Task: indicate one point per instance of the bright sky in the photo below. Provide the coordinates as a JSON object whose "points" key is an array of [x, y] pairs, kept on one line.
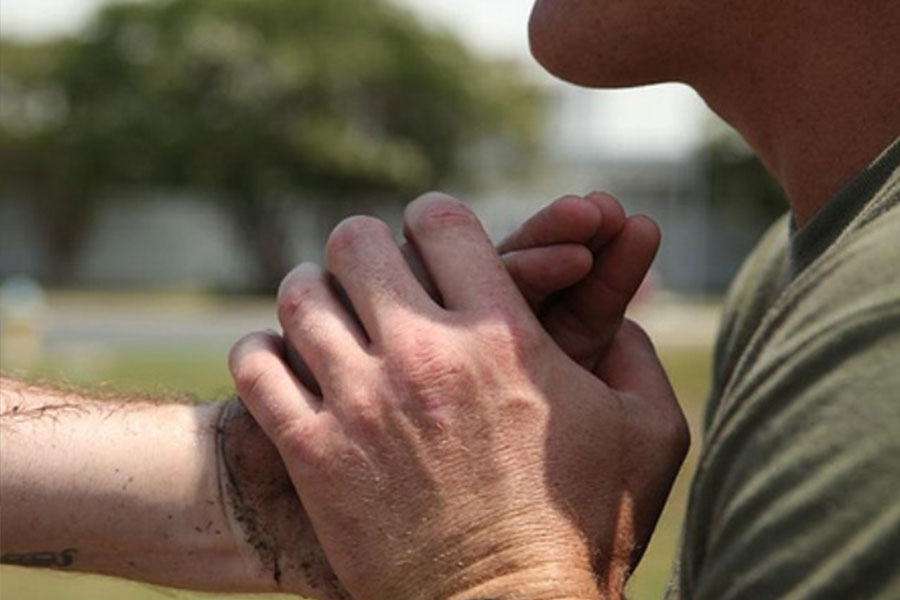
{"points": [[659, 121]]}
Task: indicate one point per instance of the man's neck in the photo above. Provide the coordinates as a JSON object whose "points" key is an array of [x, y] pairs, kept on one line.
{"points": [[816, 94]]}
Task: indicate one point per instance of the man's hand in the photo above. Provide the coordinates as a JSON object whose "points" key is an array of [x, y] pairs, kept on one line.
{"points": [[455, 449], [238, 527], [578, 262], [552, 260]]}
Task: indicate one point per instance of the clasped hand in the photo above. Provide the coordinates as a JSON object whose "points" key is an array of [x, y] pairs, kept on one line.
{"points": [[486, 440]]}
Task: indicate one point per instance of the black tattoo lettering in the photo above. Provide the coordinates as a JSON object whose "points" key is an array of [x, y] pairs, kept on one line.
{"points": [[59, 560]]}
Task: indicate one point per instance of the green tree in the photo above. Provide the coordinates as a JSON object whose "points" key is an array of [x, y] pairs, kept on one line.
{"points": [[43, 157], [253, 103]]}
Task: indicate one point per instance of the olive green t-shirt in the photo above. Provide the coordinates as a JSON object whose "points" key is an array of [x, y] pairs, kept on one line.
{"points": [[797, 491]]}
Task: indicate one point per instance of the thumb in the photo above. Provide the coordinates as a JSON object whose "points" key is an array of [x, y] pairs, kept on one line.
{"points": [[660, 436]]}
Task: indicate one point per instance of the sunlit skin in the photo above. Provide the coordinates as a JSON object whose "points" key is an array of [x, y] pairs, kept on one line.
{"points": [[447, 446], [457, 437], [221, 513], [788, 76]]}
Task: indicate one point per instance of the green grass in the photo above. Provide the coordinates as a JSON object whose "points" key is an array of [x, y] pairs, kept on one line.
{"points": [[205, 375], [200, 373], [689, 371]]}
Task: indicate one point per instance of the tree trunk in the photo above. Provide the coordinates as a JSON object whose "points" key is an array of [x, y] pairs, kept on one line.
{"points": [[263, 225], [63, 224]]}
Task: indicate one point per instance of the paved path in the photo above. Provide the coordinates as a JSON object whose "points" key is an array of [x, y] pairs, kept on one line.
{"points": [[127, 322]]}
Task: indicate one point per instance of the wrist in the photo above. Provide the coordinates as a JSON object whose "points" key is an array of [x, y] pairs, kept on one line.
{"points": [[252, 539], [266, 519], [540, 559], [544, 582], [546, 570]]}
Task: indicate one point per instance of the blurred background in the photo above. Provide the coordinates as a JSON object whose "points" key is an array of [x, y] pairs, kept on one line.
{"points": [[163, 164]]}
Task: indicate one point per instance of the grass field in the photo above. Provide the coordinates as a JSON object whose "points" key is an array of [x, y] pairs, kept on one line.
{"points": [[204, 374]]}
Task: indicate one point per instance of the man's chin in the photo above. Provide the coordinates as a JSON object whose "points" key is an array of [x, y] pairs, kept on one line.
{"points": [[586, 50], [602, 73], [567, 51]]}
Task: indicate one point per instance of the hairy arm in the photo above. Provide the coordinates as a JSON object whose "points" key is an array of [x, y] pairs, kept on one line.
{"points": [[156, 492]]}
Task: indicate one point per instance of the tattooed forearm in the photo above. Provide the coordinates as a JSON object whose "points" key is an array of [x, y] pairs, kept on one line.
{"points": [[144, 477], [49, 559]]}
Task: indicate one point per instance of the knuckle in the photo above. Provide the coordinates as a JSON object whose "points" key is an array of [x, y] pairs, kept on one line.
{"points": [[354, 233], [414, 349], [435, 211], [669, 434], [295, 297], [366, 414], [559, 207], [303, 272], [678, 434], [650, 226], [238, 350], [249, 348], [251, 372], [632, 329]]}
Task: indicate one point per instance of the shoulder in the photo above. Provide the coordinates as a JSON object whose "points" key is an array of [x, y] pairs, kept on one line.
{"points": [[751, 294], [856, 282], [796, 491]]}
